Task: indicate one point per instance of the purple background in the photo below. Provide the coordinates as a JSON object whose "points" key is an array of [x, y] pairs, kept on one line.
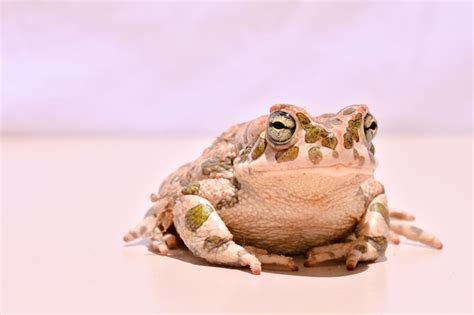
{"points": [[156, 67]]}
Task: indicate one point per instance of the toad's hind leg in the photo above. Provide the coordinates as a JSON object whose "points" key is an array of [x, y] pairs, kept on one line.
{"points": [[206, 235]]}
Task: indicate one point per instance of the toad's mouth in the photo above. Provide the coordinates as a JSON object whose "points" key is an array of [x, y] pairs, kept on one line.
{"points": [[338, 169]]}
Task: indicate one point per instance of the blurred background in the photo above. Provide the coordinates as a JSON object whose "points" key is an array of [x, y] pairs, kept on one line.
{"points": [[151, 68]]}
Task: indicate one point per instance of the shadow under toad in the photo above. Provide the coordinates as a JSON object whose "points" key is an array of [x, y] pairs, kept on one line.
{"points": [[325, 269]]}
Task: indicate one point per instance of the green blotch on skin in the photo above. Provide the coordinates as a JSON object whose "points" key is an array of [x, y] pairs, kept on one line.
{"points": [[315, 155], [196, 216], [355, 135], [416, 230], [358, 120], [348, 141], [353, 127], [287, 155], [380, 208], [191, 189], [356, 154], [330, 141], [259, 148], [213, 241], [236, 183], [378, 242], [348, 111], [244, 154], [353, 131], [304, 120], [216, 165], [312, 134], [227, 202], [359, 158], [361, 248]]}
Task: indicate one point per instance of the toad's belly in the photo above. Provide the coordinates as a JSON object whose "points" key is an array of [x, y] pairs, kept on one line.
{"points": [[287, 224]]}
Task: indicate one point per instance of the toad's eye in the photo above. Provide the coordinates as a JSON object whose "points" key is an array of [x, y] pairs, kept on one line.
{"points": [[281, 127], [370, 127]]}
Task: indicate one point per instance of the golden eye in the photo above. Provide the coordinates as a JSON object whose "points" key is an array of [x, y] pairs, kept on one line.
{"points": [[370, 127], [281, 127]]}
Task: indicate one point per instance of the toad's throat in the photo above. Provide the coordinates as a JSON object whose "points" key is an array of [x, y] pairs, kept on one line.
{"points": [[291, 216]]}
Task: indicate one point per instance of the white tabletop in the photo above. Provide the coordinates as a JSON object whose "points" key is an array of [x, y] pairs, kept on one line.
{"points": [[66, 203]]}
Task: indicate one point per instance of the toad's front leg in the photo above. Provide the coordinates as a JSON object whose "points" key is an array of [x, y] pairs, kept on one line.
{"points": [[206, 235], [371, 232]]}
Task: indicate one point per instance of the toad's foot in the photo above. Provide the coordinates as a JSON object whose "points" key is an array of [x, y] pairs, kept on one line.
{"points": [[416, 234], [161, 243], [145, 227], [401, 215], [152, 226], [324, 253], [393, 237], [272, 259], [409, 231], [362, 249], [206, 235]]}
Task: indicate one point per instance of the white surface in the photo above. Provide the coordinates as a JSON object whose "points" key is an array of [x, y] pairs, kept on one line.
{"points": [[67, 202], [128, 66]]}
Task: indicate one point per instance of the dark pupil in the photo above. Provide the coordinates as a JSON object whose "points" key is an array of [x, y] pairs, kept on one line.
{"points": [[373, 125], [278, 125]]}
